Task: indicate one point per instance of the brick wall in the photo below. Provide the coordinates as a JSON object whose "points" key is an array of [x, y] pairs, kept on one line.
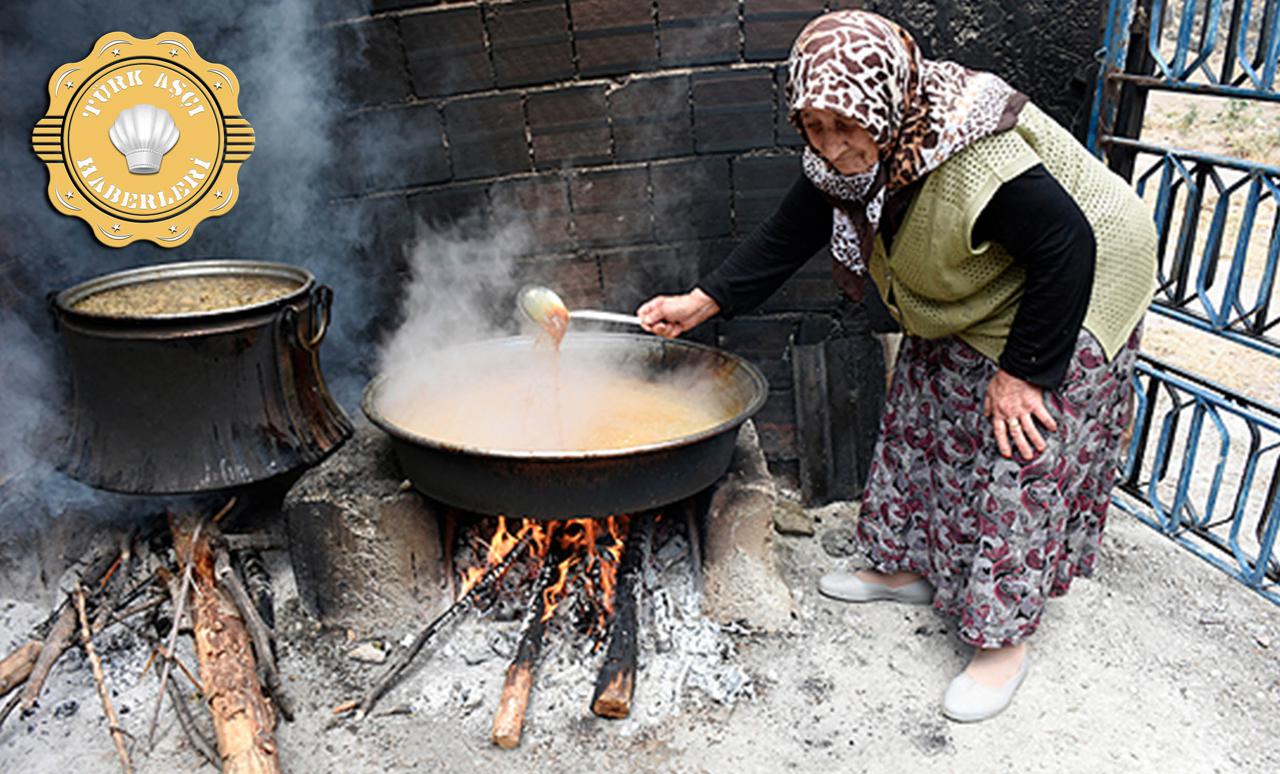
{"points": [[640, 140]]}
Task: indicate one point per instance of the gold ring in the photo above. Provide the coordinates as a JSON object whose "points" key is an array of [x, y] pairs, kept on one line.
{"points": [[1013, 424]]}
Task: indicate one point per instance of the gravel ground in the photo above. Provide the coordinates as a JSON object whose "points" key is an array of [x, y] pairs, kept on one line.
{"points": [[1159, 662]]}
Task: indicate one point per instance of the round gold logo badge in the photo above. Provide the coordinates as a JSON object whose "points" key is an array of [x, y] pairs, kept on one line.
{"points": [[143, 139]]}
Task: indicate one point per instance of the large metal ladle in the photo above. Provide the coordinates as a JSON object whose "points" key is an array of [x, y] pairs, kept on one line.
{"points": [[544, 307]]}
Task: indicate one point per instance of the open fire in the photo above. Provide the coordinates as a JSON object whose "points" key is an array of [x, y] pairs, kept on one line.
{"points": [[591, 551], [573, 564]]}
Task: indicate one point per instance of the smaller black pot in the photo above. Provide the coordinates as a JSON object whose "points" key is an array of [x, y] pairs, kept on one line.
{"points": [[186, 403]]}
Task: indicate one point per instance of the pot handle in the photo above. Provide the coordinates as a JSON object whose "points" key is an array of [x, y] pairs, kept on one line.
{"points": [[322, 305]]}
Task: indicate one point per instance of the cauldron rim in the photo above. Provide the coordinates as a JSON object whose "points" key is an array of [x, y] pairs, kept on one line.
{"points": [[760, 394], [65, 300]]}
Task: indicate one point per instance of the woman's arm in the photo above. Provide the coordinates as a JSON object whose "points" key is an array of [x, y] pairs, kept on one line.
{"points": [[1042, 227], [758, 266]]}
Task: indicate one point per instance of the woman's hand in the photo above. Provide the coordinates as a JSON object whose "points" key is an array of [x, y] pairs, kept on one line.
{"points": [[670, 316], [1014, 407]]}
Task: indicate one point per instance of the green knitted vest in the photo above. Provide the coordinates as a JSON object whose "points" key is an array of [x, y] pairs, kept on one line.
{"points": [[936, 283]]}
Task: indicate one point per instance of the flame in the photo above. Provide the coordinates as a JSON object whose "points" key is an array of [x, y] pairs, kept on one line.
{"points": [[555, 593], [609, 569], [592, 549], [501, 544]]}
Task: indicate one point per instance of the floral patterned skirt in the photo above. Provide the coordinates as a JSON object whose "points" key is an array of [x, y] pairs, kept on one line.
{"points": [[996, 537]]}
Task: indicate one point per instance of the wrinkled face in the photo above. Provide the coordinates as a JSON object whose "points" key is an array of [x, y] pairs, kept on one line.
{"points": [[842, 142]]}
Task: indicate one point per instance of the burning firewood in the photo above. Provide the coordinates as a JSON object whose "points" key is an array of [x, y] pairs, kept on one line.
{"points": [[86, 636], [241, 717], [616, 681], [406, 656], [508, 721]]}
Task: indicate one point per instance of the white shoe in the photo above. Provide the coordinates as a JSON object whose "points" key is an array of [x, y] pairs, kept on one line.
{"points": [[850, 588], [969, 701]]}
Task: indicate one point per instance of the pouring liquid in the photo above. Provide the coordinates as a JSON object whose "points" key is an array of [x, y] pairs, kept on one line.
{"points": [[555, 324]]}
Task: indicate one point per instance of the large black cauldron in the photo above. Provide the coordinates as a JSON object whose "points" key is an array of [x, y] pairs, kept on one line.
{"points": [[184, 403], [566, 484]]}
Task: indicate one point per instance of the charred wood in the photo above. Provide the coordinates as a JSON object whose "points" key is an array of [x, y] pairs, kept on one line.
{"points": [[253, 541], [259, 632], [694, 534], [617, 679], [508, 721], [257, 581]]}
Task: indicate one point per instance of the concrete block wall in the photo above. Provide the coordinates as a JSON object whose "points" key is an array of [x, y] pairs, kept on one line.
{"points": [[639, 140]]}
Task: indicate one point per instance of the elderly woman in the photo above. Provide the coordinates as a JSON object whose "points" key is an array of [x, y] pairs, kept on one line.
{"points": [[1019, 268]]}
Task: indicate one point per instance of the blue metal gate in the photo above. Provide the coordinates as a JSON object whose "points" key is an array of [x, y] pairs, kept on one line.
{"points": [[1203, 466]]}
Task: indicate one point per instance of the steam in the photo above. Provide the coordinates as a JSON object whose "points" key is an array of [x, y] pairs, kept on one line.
{"points": [[462, 287], [447, 376]]}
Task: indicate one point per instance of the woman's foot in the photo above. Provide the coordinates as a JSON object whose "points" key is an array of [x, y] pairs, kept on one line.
{"points": [[987, 685], [995, 667], [870, 586], [894, 580]]}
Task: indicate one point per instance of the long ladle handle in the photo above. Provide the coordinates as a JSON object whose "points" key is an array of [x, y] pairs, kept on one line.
{"points": [[598, 316]]}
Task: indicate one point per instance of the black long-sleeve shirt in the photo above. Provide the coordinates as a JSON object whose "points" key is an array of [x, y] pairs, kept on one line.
{"points": [[1032, 216]]}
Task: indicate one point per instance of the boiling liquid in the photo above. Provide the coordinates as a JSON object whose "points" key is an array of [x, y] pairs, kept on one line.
{"points": [[555, 405]]}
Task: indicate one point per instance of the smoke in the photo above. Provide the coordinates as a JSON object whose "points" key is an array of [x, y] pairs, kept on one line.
{"points": [[289, 67], [25, 379]]}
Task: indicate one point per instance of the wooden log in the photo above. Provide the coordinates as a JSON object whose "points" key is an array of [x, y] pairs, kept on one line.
{"points": [[86, 636], [407, 655], [617, 679], [17, 666], [241, 718], [693, 534], [508, 721], [55, 644]]}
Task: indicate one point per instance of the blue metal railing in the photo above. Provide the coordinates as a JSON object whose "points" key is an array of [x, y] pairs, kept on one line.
{"points": [[1190, 279], [1203, 466], [1197, 460]]}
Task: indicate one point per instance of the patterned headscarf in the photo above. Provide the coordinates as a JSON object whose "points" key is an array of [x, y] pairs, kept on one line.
{"points": [[919, 112]]}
